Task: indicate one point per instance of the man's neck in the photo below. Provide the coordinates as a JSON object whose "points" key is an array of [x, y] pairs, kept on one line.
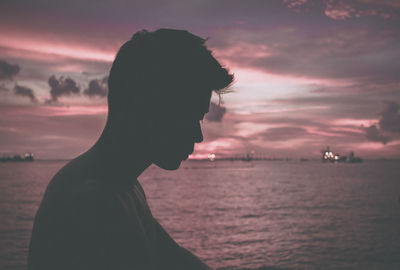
{"points": [[116, 158]]}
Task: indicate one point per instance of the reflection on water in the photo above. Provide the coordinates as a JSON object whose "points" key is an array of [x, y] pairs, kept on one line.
{"points": [[253, 215]]}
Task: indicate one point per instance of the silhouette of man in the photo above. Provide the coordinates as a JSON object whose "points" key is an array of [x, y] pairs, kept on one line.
{"points": [[94, 214]]}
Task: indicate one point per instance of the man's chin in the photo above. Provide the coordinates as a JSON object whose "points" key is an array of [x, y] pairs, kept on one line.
{"points": [[169, 165]]}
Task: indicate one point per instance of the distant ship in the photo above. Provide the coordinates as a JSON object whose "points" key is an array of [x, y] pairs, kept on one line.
{"points": [[354, 159], [328, 156], [28, 157]]}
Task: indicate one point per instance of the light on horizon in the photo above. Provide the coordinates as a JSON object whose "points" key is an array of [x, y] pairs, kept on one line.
{"points": [[211, 157]]}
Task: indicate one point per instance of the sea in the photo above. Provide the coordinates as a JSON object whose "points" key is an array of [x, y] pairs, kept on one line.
{"points": [[245, 215]]}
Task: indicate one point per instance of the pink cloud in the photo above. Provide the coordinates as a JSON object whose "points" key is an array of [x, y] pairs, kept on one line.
{"points": [[340, 11], [353, 122], [343, 10], [294, 3], [332, 53], [54, 110], [35, 45]]}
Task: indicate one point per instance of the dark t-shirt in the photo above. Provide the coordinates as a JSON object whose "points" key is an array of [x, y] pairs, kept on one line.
{"points": [[94, 225]]}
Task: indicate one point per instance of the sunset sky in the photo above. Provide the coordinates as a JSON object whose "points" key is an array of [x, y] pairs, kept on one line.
{"points": [[308, 73]]}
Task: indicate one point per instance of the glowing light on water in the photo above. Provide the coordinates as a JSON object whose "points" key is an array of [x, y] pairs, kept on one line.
{"points": [[211, 157]]}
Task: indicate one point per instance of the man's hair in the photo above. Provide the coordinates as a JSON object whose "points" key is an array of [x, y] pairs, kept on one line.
{"points": [[161, 64]]}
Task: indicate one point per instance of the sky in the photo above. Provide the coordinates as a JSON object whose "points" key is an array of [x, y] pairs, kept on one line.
{"points": [[308, 74]]}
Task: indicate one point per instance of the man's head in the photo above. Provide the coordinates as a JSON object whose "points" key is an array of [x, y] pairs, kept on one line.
{"points": [[160, 86]]}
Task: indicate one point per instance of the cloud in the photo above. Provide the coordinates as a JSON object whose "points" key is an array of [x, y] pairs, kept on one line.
{"points": [[373, 134], [333, 106], [390, 118], [284, 133], [97, 88], [294, 3], [344, 9], [331, 52], [216, 112], [61, 87], [7, 70], [389, 122], [25, 92], [339, 10]]}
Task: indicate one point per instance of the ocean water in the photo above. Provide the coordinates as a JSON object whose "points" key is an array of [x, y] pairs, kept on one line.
{"points": [[245, 215]]}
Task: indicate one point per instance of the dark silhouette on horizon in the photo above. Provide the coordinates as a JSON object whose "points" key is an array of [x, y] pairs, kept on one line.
{"points": [[94, 214]]}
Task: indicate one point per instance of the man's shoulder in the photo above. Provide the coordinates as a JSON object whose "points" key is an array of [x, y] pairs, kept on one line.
{"points": [[75, 181]]}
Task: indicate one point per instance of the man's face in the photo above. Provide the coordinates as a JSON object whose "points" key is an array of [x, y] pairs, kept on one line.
{"points": [[178, 130]]}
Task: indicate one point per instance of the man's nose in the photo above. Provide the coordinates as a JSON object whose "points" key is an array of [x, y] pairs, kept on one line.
{"points": [[198, 135]]}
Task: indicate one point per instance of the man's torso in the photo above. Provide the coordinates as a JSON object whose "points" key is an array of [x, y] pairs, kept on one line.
{"points": [[84, 223]]}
